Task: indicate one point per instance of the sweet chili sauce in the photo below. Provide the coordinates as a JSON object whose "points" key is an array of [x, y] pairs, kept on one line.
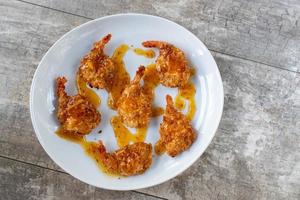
{"points": [[186, 93], [148, 53], [121, 76], [84, 90], [123, 135]]}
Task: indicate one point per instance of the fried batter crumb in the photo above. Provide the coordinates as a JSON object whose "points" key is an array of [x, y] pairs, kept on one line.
{"points": [[130, 160]]}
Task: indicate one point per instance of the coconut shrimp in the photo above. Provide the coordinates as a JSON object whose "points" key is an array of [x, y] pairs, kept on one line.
{"points": [[171, 64]]}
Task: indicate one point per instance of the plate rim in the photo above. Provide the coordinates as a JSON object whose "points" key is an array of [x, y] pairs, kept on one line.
{"points": [[218, 118]]}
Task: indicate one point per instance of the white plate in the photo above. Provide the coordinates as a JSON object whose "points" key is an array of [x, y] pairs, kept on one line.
{"points": [[63, 59]]}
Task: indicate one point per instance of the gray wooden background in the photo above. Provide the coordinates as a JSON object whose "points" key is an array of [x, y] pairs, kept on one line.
{"points": [[256, 151]]}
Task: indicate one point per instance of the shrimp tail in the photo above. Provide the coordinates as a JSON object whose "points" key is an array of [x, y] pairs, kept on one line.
{"points": [[139, 74], [101, 44], [154, 44]]}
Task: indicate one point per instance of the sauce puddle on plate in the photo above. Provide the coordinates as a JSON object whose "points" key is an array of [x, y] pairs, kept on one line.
{"points": [[121, 77], [87, 92], [123, 135], [187, 93], [91, 149], [148, 53], [70, 135], [151, 81]]}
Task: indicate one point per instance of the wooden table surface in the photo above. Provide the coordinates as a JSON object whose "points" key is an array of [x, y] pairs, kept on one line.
{"points": [[256, 151]]}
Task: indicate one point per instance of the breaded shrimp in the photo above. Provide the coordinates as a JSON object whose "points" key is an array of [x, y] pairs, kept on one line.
{"points": [[96, 68], [130, 160], [75, 113], [171, 64], [176, 132], [135, 103]]}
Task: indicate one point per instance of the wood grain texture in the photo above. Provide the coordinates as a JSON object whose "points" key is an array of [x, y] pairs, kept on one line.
{"points": [[27, 182], [26, 33], [266, 31], [255, 154]]}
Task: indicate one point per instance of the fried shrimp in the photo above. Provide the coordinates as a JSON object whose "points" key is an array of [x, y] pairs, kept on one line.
{"points": [[96, 68], [176, 132], [171, 64], [130, 160], [135, 103], [75, 113]]}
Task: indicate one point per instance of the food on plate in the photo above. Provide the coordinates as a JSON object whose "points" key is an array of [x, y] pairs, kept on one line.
{"points": [[135, 103], [97, 69], [146, 53], [171, 64], [176, 132], [75, 113], [130, 160], [133, 100]]}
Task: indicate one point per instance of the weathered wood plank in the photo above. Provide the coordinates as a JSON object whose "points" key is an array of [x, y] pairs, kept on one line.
{"points": [[23, 181], [266, 31], [26, 32], [254, 154]]}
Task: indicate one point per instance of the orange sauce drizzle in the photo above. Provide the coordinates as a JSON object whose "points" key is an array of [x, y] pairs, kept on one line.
{"points": [[87, 92], [151, 78], [157, 111], [151, 81], [91, 149], [69, 135], [121, 77], [123, 135], [179, 102], [149, 53], [187, 92], [193, 71]]}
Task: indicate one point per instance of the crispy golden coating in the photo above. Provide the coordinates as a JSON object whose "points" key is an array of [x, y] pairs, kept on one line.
{"points": [[176, 132], [96, 68], [130, 160], [75, 113], [171, 64], [135, 103]]}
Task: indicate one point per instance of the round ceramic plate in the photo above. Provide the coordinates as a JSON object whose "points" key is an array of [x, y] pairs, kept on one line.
{"points": [[63, 59]]}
